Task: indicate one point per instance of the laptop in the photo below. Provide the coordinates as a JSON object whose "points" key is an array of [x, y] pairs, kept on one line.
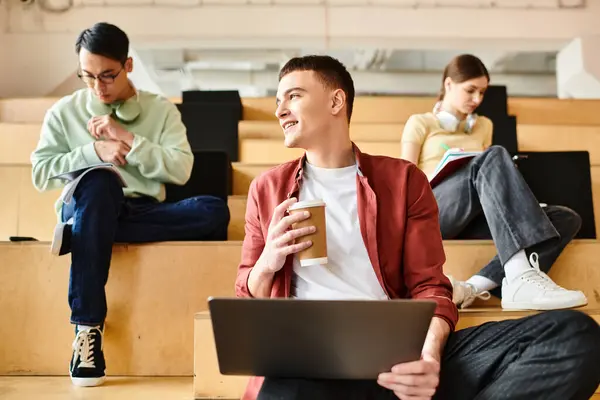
{"points": [[317, 339]]}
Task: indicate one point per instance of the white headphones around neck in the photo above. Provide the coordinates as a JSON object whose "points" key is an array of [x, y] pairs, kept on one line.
{"points": [[449, 122]]}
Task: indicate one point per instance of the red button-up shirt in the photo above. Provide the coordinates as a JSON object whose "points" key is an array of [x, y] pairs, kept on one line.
{"points": [[398, 217]]}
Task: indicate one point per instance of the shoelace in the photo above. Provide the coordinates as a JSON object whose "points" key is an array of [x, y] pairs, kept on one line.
{"points": [[83, 348], [473, 294], [538, 277], [469, 292]]}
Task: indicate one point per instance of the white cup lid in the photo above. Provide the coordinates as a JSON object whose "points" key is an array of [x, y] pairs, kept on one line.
{"points": [[307, 203]]}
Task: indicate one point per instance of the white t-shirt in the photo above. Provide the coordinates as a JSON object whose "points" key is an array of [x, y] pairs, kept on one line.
{"points": [[349, 273]]}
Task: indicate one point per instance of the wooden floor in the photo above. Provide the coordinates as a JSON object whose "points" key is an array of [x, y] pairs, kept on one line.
{"points": [[60, 388]]}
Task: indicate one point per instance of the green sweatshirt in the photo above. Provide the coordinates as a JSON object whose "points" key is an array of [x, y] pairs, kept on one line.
{"points": [[160, 153]]}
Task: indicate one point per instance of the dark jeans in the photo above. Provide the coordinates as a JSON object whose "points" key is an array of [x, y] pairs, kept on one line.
{"points": [[103, 216], [550, 356], [489, 199]]}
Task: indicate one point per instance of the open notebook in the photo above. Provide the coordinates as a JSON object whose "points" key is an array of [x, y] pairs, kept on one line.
{"points": [[73, 177], [451, 162]]}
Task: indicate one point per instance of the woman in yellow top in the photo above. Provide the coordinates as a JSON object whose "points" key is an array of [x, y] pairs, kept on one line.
{"points": [[488, 198]]}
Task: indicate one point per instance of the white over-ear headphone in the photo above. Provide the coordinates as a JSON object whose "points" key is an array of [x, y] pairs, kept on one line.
{"points": [[126, 111], [449, 122]]}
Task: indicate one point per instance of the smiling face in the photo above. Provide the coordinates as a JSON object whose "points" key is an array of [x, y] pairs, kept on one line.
{"points": [[306, 108], [106, 77], [466, 96]]}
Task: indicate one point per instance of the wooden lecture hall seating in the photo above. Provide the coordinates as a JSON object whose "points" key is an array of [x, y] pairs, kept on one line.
{"points": [[157, 323]]}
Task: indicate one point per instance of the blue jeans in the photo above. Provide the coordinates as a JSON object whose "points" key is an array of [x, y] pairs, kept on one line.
{"points": [[103, 216], [489, 199]]}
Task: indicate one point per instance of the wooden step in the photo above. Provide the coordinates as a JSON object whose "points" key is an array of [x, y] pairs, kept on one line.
{"points": [[163, 285], [26, 212], [397, 109], [377, 132], [388, 132], [210, 383], [272, 151], [115, 388], [530, 138], [17, 142], [153, 293], [261, 142], [243, 174], [576, 267], [237, 210], [26, 110], [383, 109]]}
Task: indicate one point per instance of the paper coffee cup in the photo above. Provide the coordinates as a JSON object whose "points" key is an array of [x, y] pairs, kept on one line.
{"points": [[317, 253]]}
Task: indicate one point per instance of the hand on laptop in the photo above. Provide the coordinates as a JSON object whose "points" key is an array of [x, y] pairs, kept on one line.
{"points": [[416, 380], [280, 238]]}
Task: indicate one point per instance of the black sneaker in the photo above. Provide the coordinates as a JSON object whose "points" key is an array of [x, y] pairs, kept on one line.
{"points": [[61, 240], [87, 364]]}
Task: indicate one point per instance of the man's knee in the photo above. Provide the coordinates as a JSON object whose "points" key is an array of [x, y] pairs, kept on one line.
{"points": [[566, 221], [210, 208], [495, 159], [219, 210], [99, 183], [581, 339], [581, 327], [498, 152]]}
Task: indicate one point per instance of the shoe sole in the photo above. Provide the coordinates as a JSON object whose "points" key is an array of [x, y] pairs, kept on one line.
{"points": [[88, 382], [516, 306]]}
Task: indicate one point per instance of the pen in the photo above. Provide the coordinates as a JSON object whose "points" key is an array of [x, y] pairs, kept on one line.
{"points": [[446, 147]]}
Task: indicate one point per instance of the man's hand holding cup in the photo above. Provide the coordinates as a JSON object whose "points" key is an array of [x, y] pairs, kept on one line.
{"points": [[281, 237]]}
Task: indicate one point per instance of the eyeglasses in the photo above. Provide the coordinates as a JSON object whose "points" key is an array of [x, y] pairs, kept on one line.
{"points": [[90, 80]]}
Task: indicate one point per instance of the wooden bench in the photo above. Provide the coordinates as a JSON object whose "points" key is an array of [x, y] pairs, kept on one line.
{"points": [[261, 142], [244, 173], [26, 212], [154, 290], [397, 109], [153, 293]]}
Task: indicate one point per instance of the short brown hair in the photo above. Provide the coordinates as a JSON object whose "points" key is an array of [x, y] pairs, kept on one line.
{"points": [[461, 69], [330, 71]]}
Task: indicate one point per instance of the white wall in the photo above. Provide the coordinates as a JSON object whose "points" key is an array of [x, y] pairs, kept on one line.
{"points": [[578, 69], [4, 56], [33, 65], [262, 26], [48, 38]]}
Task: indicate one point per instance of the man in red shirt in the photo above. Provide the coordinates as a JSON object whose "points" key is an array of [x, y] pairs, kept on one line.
{"points": [[384, 242]]}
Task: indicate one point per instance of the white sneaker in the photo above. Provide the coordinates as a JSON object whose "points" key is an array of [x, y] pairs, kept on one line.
{"points": [[464, 294], [534, 290]]}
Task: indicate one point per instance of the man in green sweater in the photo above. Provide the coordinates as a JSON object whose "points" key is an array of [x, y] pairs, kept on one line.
{"points": [[143, 136]]}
